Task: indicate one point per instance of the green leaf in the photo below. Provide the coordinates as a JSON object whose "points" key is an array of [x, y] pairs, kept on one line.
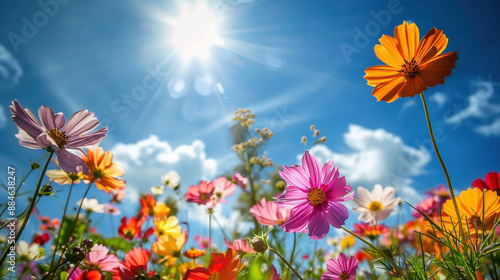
{"points": [[118, 243], [491, 248], [64, 275]]}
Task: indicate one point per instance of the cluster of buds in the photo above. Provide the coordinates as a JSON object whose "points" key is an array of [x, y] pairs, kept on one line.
{"points": [[78, 253], [316, 133], [265, 133], [245, 117], [239, 148], [263, 161]]}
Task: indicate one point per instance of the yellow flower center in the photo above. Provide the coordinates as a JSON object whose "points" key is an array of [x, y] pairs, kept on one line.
{"points": [[409, 69], [203, 196], [344, 276], [214, 276], [316, 196], [58, 136], [375, 206]]}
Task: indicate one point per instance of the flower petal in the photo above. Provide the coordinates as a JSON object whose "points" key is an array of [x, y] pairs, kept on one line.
{"points": [[433, 44], [388, 52], [313, 168], [318, 225], [336, 214], [80, 123], [295, 176], [434, 71], [379, 74], [299, 218], [407, 36], [70, 162], [388, 91], [47, 117]]}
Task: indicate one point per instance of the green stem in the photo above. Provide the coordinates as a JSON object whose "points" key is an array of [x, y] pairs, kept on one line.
{"points": [[286, 262], [252, 196], [30, 207], [210, 229], [443, 166], [62, 224], [396, 267], [54, 269], [494, 266]]}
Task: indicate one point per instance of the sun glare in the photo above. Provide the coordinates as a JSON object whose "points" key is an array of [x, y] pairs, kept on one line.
{"points": [[195, 31]]}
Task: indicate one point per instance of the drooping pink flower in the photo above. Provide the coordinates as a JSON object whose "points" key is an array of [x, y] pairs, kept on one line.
{"points": [[342, 268], [98, 258], [269, 214], [203, 242], [240, 180], [201, 193], [223, 188], [52, 134], [314, 195], [491, 182], [240, 245]]}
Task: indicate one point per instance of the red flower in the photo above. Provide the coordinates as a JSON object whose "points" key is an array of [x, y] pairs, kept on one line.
{"points": [[372, 232], [491, 182], [222, 266], [149, 207], [136, 263], [41, 239], [91, 274], [132, 229]]}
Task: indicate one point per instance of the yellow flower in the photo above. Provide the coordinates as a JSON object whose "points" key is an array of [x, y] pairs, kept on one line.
{"points": [[170, 247], [62, 178], [167, 226], [471, 207], [347, 242]]}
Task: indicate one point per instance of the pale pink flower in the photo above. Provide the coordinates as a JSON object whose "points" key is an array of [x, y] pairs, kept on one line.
{"points": [[342, 268], [314, 195], [98, 257], [240, 180], [52, 134], [240, 245], [201, 193], [111, 210], [269, 214], [223, 188], [203, 242]]}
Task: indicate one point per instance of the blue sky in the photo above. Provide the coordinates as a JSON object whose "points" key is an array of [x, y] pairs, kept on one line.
{"points": [[285, 60]]}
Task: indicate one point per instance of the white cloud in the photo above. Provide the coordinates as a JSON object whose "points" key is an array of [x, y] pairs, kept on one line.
{"points": [[10, 70], [378, 157], [3, 119], [145, 161], [481, 109], [492, 129], [407, 104], [439, 98]]}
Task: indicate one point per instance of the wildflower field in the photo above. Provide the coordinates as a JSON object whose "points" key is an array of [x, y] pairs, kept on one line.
{"points": [[70, 211]]}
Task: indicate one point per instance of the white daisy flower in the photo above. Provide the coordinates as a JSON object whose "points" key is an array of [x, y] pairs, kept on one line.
{"points": [[171, 179], [91, 205], [377, 205], [29, 252], [157, 190]]}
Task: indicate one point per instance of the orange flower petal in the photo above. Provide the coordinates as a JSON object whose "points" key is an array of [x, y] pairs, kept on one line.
{"points": [[438, 68], [388, 91], [380, 74], [388, 52], [433, 44], [407, 36], [412, 86]]}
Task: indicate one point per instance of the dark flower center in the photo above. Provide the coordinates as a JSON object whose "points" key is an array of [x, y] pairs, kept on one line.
{"points": [[58, 136], [409, 69], [316, 196], [475, 222], [344, 276]]}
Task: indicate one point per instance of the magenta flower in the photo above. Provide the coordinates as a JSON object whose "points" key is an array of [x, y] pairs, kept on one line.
{"points": [[53, 135], [240, 245], [342, 268], [273, 274], [203, 242], [269, 214], [314, 195]]}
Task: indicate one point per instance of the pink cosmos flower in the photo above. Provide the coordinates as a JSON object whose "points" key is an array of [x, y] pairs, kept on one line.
{"points": [[440, 194], [428, 206], [240, 180], [53, 135], [98, 258], [491, 182], [273, 274], [240, 245], [200, 194], [269, 214], [223, 188], [203, 242], [314, 195], [111, 209], [342, 268]]}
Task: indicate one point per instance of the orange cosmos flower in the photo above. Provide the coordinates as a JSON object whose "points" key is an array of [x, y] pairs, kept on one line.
{"points": [[103, 171], [194, 253], [412, 65], [222, 266], [471, 207], [132, 229], [151, 208]]}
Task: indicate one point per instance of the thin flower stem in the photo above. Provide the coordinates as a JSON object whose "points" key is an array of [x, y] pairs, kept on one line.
{"points": [[210, 229], [62, 223], [494, 266], [30, 207], [286, 262], [443, 166], [396, 267], [54, 269], [252, 190], [221, 228], [294, 245]]}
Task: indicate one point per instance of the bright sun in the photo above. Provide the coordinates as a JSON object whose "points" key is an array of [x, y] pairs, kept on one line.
{"points": [[195, 31]]}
